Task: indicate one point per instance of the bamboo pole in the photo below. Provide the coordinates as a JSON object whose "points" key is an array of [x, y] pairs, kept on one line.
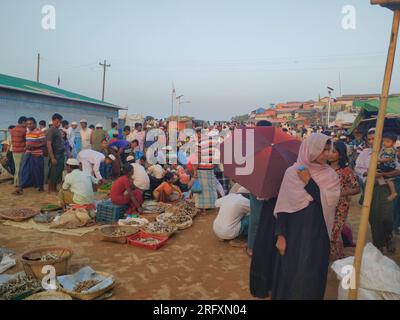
{"points": [[353, 293]]}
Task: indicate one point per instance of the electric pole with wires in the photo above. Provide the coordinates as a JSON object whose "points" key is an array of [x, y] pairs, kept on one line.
{"points": [[105, 66]]}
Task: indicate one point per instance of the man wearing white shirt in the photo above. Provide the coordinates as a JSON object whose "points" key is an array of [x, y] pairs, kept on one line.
{"points": [[77, 187], [140, 177], [233, 215], [91, 161], [85, 133]]}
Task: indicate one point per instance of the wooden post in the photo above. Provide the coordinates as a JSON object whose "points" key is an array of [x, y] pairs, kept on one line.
{"points": [[369, 189]]}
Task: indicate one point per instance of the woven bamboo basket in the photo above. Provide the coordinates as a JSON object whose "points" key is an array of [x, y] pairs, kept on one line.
{"points": [[50, 295], [152, 209], [184, 225], [13, 214], [161, 234], [33, 265], [91, 295], [106, 232], [164, 218]]}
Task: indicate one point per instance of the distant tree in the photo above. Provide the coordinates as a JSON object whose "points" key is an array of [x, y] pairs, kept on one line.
{"points": [[242, 118]]}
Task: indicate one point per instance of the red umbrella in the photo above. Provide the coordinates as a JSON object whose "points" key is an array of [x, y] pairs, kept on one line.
{"points": [[274, 152]]}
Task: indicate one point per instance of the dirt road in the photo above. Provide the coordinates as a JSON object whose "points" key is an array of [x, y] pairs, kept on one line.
{"points": [[193, 265]]}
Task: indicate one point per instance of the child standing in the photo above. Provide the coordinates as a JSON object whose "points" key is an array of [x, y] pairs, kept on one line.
{"points": [[388, 161]]}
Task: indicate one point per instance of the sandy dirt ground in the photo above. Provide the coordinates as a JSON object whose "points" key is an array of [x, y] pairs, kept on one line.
{"points": [[193, 265]]}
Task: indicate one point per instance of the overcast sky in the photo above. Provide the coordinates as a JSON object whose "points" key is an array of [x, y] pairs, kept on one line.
{"points": [[227, 57]]}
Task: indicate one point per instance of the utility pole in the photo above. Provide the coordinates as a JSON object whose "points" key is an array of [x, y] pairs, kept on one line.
{"points": [[330, 90], [105, 66], [173, 98], [38, 68], [178, 99], [340, 84]]}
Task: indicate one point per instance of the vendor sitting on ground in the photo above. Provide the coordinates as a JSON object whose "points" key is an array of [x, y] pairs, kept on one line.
{"points": [[183, 177], [233, 217], [124, 192], [77, 187], [168, 191], [156, 174], [140, 177]]}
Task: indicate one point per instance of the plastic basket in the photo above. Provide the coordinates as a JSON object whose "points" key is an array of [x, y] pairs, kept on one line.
{"points": [[109, 213], [132, 241]]}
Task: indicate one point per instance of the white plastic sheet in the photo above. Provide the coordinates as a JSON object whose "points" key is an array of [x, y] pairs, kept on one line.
{"points": [[7, 259], [379, 278]]}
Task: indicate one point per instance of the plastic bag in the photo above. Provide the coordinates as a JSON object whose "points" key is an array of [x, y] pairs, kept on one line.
{"points": [[7, 259], [379, 278], [196, 187]]}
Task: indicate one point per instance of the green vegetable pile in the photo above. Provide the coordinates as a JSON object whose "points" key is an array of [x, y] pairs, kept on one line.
{"points": [[106, 186], [48, 207]]}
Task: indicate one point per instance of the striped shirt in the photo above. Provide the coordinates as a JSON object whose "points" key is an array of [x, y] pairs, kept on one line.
{"points": [[206, 151], [34, 139], [18, 139]]}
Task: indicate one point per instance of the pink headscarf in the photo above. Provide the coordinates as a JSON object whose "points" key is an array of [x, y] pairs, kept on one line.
{"points": [[292, 195]]}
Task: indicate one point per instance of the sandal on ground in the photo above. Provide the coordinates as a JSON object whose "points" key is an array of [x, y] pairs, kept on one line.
{"points": [[248, 251], [238, 243]]}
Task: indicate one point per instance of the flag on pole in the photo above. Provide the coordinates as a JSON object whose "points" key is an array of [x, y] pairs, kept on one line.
{"points": [[58, 80]]}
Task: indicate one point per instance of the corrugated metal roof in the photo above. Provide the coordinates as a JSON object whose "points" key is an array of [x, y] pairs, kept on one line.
{"points": [[19, 84]]}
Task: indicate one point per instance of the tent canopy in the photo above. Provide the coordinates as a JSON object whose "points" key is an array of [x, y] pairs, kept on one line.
{"points": [[369, 110]]}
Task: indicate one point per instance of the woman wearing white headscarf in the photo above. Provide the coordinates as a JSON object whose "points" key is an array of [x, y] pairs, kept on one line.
{"points": [[305, 212]]}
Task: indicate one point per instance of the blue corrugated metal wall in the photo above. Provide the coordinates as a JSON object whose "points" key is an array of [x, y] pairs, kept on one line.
{"points": [[14, 104]]}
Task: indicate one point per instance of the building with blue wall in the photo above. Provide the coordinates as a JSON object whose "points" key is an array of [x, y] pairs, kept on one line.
{"points": [[20, 97]]}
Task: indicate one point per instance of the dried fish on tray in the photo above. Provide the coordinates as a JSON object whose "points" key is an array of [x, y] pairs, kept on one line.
{"points": [[117, 233], [18, 286], [90, 283], [149, 209], [182, 208], [180, 221], [85, 285], [148, 240], [134, 222], [18, 214], [51, 256], [160, 228]]}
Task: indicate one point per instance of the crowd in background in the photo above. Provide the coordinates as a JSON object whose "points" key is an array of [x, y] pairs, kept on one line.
{"points": [[73, 159], [39, 153]]}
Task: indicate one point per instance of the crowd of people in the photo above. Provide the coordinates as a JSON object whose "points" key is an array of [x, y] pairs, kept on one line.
{"points": [[74, 159], [291, 239]]}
